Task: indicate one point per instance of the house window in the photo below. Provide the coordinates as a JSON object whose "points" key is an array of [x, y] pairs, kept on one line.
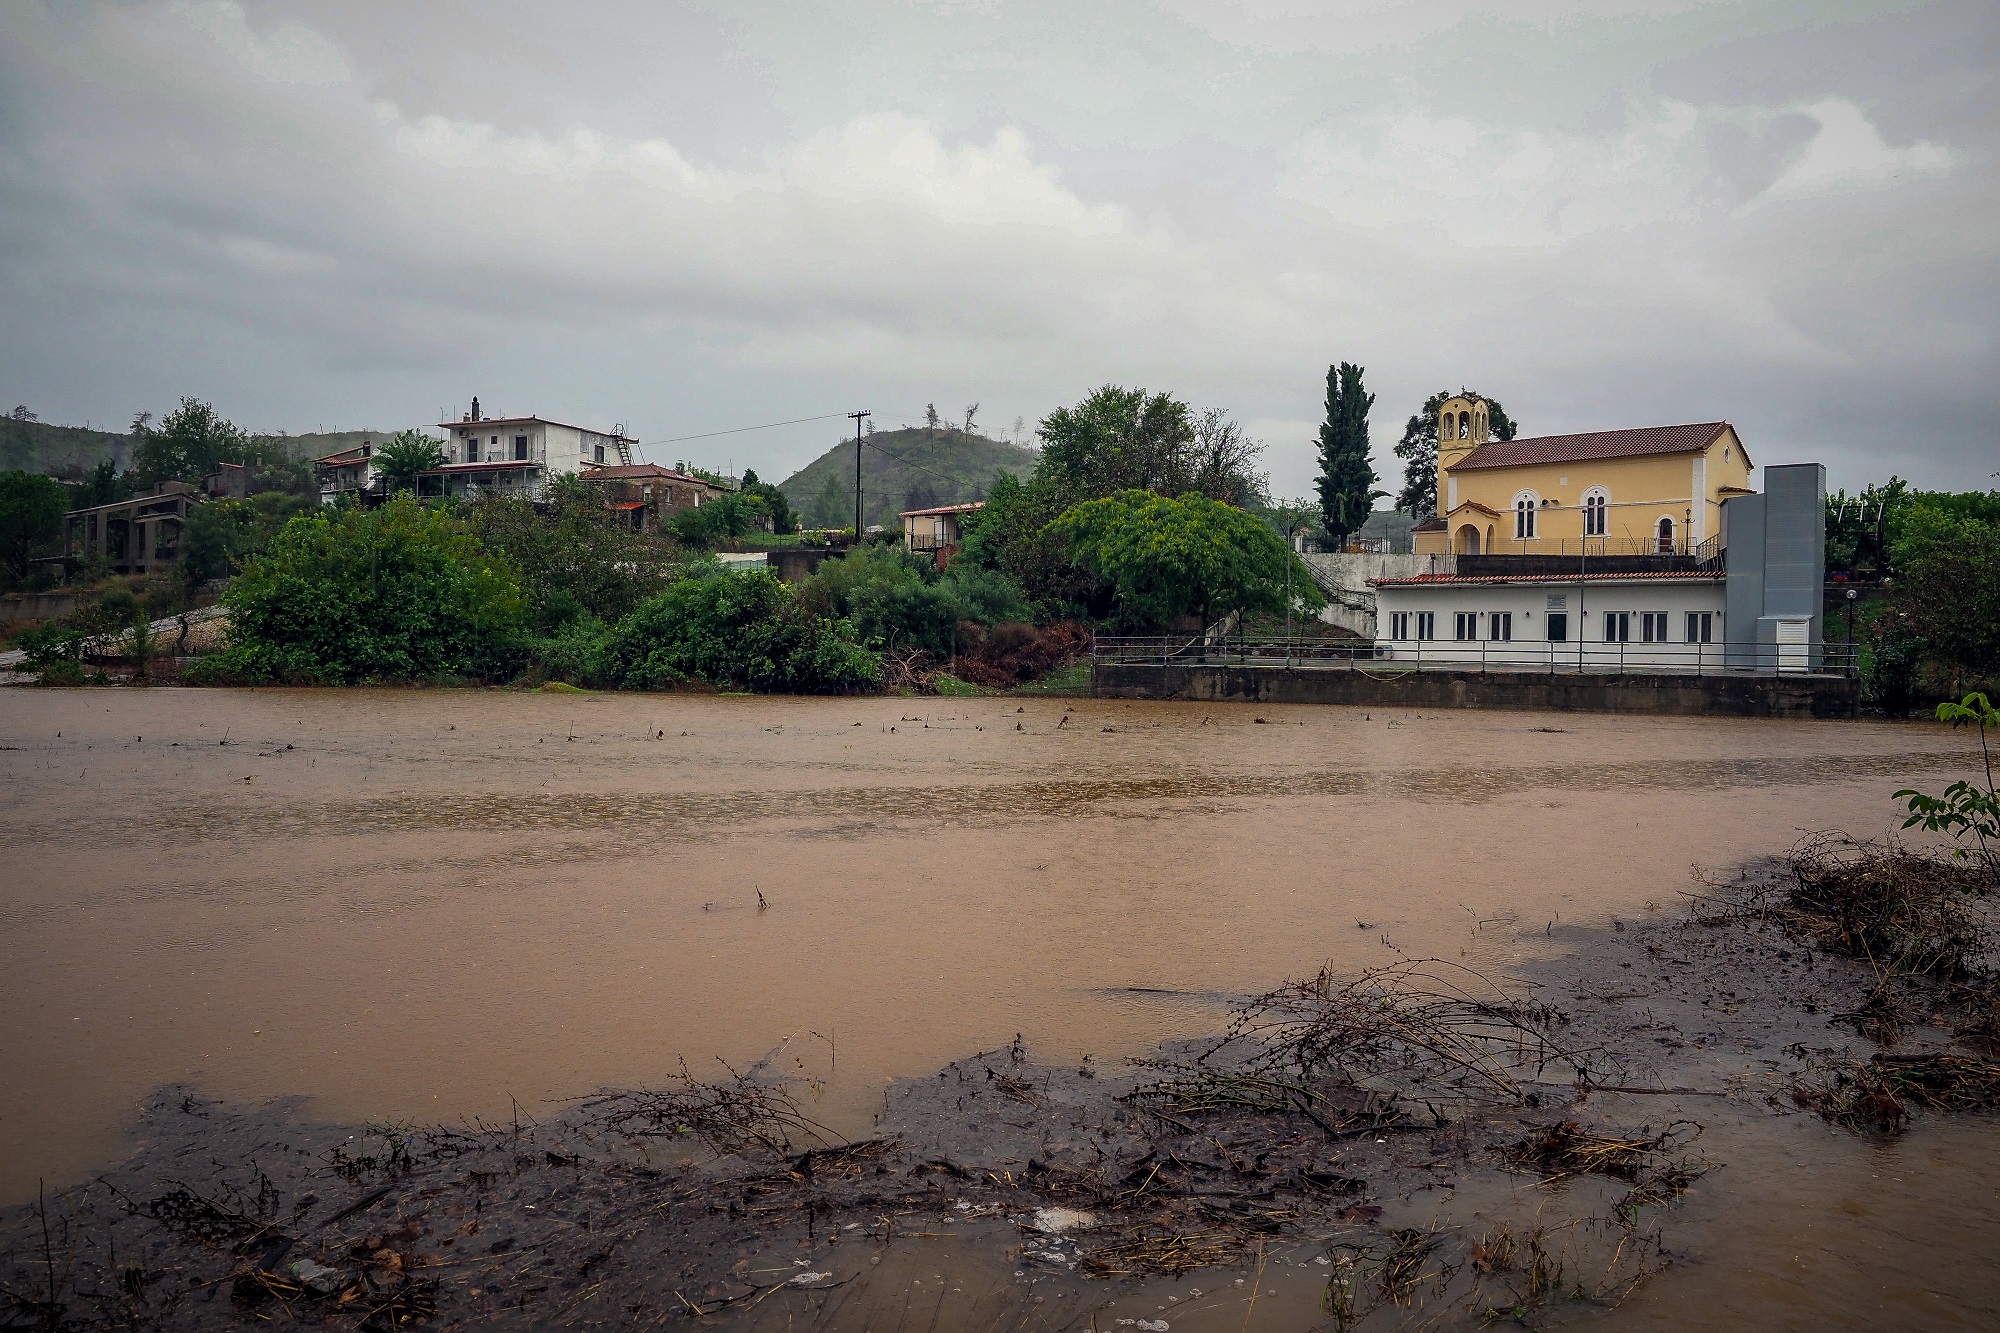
{"points": [[597, 454], [1596, 512], [1653, 626], [1557, 623], [520, 448], [1500, 626], [1426, 624], [1666, 542], [1700, 625], [1524, 516], [1399, 625], [1618, 627], [1464, 625]]}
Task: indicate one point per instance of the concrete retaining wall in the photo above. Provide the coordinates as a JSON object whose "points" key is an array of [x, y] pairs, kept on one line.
{"points": [[1343, 577], [1693, 696]]}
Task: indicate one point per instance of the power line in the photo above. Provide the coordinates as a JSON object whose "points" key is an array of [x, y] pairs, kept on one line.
{"points": [[769, 425]]}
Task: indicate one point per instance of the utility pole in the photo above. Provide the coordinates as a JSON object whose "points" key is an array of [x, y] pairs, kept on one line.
{"points": [[858, 417]]}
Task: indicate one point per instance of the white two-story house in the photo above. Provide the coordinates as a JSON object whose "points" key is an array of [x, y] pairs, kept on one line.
{"points": [[518, 455]]}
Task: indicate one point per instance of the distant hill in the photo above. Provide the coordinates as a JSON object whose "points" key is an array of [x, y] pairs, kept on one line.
{"points": [[70, 451], [902, 469]]}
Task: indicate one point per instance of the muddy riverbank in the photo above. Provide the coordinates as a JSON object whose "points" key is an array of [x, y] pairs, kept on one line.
{"points": [[429, 908], [1420, 1145]]}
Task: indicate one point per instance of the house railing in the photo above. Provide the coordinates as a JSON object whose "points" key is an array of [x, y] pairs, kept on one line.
{"points": [[928, 541], [1589, 546], [1586, 658]]}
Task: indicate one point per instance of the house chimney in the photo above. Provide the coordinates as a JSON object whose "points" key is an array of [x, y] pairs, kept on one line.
{"points": [[475, 409]]}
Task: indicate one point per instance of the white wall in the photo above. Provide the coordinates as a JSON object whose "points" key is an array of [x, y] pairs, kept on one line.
{"points": [[1344, 576], [1586, 606]]}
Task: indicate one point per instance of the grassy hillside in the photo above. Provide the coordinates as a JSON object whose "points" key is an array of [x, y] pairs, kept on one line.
{"points": [[902, 469], [37, 446], [70, 451]]}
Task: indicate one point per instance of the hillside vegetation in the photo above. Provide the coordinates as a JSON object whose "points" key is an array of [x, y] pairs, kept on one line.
{"points": [[38, 446], [71, 451], [902, 469]]}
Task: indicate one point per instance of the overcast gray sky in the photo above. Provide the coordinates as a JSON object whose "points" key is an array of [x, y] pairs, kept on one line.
{"points": [[351, 213]]}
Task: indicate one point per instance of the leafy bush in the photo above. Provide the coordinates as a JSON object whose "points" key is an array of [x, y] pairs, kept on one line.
{"points": [[897, 599], [55, 651], [1965, 807], [730, 515], [395, 593], [746, 630], [573, 557]]}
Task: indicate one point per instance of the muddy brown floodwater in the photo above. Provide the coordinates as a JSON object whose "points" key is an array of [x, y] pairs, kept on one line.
{"points": [[432, 905]]}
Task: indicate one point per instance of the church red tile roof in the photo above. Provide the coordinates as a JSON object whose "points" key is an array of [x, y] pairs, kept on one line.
{"points": [[1592, 445]]}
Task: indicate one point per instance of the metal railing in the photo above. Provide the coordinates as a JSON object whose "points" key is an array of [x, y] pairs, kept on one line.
{"points": [[1698, 659], [1589, 546], [927, 541]]}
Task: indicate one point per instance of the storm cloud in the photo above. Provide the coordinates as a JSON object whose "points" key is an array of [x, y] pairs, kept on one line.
{"points": [[697, 217]]}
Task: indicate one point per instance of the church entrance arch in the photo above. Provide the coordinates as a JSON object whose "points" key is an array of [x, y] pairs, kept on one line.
{"points": [[1468, 540]]}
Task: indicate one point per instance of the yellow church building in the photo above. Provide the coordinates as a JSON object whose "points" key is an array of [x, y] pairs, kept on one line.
{"points": [[1654, 489]]}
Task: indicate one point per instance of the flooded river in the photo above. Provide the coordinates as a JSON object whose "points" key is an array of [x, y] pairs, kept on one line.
{"points": [[430, 905]]}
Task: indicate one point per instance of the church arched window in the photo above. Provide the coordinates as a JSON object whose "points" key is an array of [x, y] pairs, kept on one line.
{"points": [[1596, 511], [1465, 425], [1666, 542], [1524, 515]]}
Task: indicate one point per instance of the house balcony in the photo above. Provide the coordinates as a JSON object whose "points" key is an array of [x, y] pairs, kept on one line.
{"points": [[927, 541]]}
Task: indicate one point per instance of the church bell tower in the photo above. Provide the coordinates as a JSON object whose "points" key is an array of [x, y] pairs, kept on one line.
{"points": [[1462, 428]]}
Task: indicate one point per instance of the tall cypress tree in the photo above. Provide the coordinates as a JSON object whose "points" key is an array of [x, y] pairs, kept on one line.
{"points": [[1346, 478]]}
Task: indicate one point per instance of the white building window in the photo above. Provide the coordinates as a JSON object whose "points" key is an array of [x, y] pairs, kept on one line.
{"points": [[1426, 624], [1618, 627], [1524, 515], [1596, 511], [1555, 626], [1653, 626], [1500, 626], [1700, 626], [1399, 625]]}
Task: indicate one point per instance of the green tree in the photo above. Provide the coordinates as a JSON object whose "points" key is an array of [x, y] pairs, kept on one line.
{"points": [[401, 457], [572, 553], [783, 520], [1347, 491], [102, 485], [217, 536], [1948, 580], [1419, 450], [1170, 558], [1116, 439], [396, 593], [31, 516], [187, 445], [743, 630], [833, 507], [732, 514]]}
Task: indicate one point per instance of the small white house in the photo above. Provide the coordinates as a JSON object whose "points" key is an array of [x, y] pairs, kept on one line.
{"points": [[1594, 621], [518, 455]]}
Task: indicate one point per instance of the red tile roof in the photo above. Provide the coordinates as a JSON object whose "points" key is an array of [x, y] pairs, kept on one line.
{"points": [[641, 472], [1592, 445], [943, 509]]}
